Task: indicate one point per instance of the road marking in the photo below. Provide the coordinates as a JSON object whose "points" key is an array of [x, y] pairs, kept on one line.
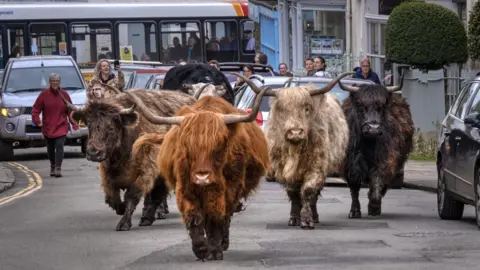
{"points": [[34, 183]]}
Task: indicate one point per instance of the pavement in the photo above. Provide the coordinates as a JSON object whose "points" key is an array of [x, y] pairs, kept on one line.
{"points": [[67, 225], [7, 179]]}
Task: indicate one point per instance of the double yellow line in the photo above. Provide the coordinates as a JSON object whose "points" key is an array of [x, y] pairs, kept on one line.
{"points": [[34, 183]]}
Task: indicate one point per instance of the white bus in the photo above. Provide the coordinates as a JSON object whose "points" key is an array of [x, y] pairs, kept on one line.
{"points": [[166, 31]]}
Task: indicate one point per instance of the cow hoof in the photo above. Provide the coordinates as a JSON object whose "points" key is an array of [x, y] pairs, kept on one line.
{"points": [[355, 214], [225, 245], [307, 224], [270, 179], [124, 226], [144, 221], [374, 211], [200, 252], [294, 221], [120, 209], [161, 215], [215, 255]]}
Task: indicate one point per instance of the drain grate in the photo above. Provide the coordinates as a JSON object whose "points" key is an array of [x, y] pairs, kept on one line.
{"points": [[332, 225], [426, 234]]}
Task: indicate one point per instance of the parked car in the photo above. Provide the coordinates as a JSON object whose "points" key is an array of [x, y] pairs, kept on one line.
{"points": [[458, 156], [24, 79], [139, 78], [228, 67], [155, 81]]}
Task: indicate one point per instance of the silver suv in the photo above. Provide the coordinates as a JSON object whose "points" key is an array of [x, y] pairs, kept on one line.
{"points": [[23, 80]]}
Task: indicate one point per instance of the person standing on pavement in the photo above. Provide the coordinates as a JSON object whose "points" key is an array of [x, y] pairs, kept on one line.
{"points": [[55, 121], [365, 72]]}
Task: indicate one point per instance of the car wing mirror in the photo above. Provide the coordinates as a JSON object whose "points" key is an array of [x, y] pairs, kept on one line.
{"points": [[472, 120]]}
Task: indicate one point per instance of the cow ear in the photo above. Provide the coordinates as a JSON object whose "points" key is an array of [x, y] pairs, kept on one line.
{"points": [[129, 119], [79, 117]]}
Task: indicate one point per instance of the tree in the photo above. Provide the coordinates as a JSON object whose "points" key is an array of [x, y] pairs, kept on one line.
{"points": [[474, 32], [425, 35]]}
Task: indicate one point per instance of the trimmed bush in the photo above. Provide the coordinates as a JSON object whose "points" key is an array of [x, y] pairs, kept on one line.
{"points": [[425, 35], [474, 32]]}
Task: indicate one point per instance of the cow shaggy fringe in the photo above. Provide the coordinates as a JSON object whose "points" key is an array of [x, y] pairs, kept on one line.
{"points": [[376, 161], [302, 168]]}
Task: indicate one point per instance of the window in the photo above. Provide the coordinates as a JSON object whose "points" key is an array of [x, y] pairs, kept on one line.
{"points": [[91, 42], [373, 38], [324, 32], [142, 37], [14, 41], [221, 40], [48, 39], [475, 107], [1, 52], [248, 39], [181, 42], [462, 106]]}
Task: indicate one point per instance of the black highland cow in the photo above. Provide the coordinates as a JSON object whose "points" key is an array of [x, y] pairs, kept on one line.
{"points": [[180, 76], [381, 132]]}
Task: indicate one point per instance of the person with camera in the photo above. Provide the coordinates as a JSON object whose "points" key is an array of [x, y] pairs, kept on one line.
{"points": [[104, 74]]}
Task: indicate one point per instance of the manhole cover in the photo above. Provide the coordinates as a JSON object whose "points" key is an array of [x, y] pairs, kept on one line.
{"points": [[425, 234]]}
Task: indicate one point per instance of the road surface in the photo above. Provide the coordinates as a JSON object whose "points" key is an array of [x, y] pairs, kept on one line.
{"points": [[67, 225]]}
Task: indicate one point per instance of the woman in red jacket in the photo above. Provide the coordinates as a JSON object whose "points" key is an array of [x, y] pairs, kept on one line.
{"points": [[56, 117]]}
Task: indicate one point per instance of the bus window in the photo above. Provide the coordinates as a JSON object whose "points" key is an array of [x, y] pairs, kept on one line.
{"points": [[248, 40], [142, 37], [181, 42], [91, 42], [221, 41], [48, 39]]}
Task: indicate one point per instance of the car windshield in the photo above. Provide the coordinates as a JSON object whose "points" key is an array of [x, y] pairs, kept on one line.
{"points": [[141, 80], [337, 91], [36, 78]]}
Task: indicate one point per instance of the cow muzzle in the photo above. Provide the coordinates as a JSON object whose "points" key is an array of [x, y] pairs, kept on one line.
{"points": [[295, 135], [202, 178], [95, 155], [372, 129]]}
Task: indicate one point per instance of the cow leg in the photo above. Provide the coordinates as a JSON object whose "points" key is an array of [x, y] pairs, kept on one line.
{"points": [[355, 211], [314, 209], [296, 206], [196, 230], [162, 210], [309, 195], [112, 199], [132, 198], [214, 231], [226, 233], [375, 196], [156, 197]]}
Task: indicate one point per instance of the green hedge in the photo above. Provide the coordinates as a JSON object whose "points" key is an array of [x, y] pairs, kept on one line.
{"points": [[474, 32], [425, 35]]}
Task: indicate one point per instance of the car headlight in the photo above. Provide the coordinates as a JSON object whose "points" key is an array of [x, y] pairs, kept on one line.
{"points": [[12, 112]]}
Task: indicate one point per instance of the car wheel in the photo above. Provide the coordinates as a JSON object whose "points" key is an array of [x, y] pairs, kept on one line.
{"points": [[448, 207], [6, 150], [477, 199]]}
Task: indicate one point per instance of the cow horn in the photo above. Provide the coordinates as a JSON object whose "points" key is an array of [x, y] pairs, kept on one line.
{"points": [[330, 85], [351, 89], [187, 86], [199, 92], [394, 88], [254, 87], [128, 110], [116, 90], [69, 105], [236, 118], [159, 120]]}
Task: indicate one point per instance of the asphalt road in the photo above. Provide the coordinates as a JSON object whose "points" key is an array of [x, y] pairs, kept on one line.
{"points": [[67, 225]]}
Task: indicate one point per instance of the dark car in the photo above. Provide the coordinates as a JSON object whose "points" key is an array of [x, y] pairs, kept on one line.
{"points": [[458, 157]]}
